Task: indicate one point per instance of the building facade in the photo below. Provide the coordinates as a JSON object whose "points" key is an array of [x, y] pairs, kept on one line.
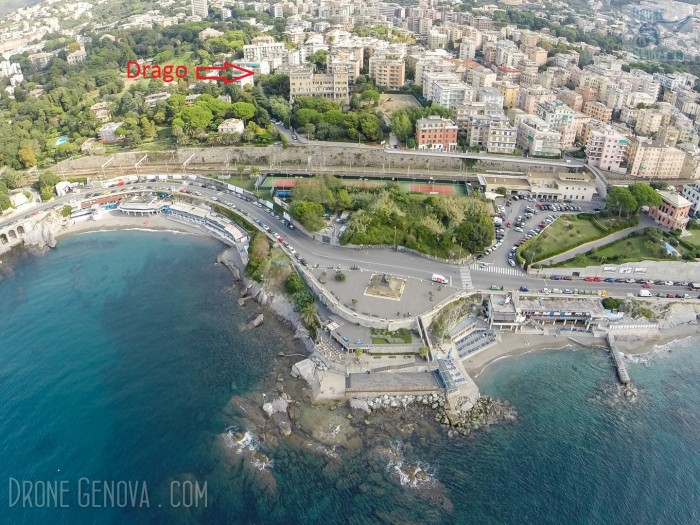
{"points": [[436, 133], [673, 212], [653, 160]]}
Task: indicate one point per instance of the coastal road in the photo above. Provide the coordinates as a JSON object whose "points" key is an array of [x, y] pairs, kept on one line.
{"points": [[381, 260]]}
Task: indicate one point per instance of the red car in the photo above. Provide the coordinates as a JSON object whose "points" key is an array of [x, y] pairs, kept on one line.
{"points": [[509, 224], [589, 279], [647, 285], [598, 279]]}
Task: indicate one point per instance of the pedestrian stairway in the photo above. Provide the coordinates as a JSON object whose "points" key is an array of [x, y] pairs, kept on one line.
{"points": [[466, 277], [496, 269]]}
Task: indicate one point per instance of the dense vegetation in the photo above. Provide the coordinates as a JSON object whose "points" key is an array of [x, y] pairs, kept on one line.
{"points": [[437, 225], [403, 121]]}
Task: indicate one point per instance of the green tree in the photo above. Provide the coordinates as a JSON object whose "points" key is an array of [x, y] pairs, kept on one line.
{"points": [[197, 117], [645, 195], [309, 214], [476, 232], [308, 314], [243, 110], [621, 200]]}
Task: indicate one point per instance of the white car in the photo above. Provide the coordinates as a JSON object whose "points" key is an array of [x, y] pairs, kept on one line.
{"points": [[511, 262], [276, 235], [556, 290], [546, 290], [668, 283], [291, 249]]}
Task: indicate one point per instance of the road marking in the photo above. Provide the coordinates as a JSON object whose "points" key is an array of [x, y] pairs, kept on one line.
{"points": [[496, 269], [466, 277]]}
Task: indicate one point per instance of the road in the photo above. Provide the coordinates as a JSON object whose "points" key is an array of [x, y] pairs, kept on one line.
{"points": [[385, 260]]}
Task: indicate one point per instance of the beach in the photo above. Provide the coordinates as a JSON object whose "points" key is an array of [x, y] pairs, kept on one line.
{"points": [[118, 221]]}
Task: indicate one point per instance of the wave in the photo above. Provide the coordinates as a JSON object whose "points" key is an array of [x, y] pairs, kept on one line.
{"points": [[242, 441], [661, 351]]}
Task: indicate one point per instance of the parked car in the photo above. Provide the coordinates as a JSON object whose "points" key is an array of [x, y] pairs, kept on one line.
{"points": [[524, 289]]}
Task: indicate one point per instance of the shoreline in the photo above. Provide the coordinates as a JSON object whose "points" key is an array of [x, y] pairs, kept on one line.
{"points": [[111, 221], [509, 344]]}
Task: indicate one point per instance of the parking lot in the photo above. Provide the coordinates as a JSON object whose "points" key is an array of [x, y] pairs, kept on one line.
{"points": [[523, 218]]}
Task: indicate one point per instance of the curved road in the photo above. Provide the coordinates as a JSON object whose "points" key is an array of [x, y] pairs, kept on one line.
{"points": [[378, 260]]}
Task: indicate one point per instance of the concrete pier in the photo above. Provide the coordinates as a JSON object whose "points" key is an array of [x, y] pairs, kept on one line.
{"points": [[622, 373]]}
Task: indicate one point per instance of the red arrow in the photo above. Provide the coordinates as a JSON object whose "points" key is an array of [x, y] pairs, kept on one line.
{"points": [[199, 71]]}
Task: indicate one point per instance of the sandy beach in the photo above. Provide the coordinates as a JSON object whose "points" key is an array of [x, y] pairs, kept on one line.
{"points": [[522, 343], [119, 221]]}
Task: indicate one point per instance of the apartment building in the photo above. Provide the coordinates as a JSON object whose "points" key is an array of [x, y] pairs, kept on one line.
{"points": [[464, 112], [598, 111], [481, 77], [529, 98], [263, 48], [691, 192], [436, 133], [555, 113], [467, 50], [648, 122], [200, 8], [509, 91], [571, 98], [673, 212], [388, 71], [691, 163], [535, 137], [489, 95], [606, 149], [501, 136], [652, 160], [437, 40], [333, 86]]}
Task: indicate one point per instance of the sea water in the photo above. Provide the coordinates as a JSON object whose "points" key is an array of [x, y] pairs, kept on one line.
{"points": [[120, 353]]}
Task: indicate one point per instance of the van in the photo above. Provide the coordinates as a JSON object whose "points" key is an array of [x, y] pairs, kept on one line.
{"points": [[644, 293], [439, 279]]}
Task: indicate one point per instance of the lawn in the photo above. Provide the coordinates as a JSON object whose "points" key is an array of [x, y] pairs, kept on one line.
{"points": [[694, 237], [633, 248], [384, 337], [565, 233]]}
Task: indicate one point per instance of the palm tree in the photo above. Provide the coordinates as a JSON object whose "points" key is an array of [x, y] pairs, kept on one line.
{"points": [[308, 314], [254, 171]]}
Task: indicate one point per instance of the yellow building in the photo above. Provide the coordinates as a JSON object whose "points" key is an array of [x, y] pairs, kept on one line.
{"points": [[653, 160]]}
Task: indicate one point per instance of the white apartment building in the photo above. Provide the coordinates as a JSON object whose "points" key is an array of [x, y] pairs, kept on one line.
{"points": [[489, 95], [535, 137], [467, 50], [200, 8], [555, 113], [437, 40], [449, 94], [263, 48], [692, 193], [606, 149]]}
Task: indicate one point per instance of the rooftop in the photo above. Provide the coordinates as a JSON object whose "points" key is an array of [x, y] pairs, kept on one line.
{"points": [[674, 199]]}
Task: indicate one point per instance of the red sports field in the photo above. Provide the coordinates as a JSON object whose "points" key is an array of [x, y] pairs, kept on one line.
{"points": [[431, 188]]}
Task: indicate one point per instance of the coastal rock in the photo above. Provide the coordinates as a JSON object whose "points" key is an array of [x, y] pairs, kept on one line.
{"points": [[258, 321], [285, 428], [360, 405]]}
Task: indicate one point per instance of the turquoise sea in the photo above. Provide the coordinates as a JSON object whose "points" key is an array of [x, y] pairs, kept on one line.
{"points": [[120, 353]]}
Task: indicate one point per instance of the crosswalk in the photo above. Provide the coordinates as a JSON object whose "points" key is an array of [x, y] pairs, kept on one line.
{"points": [[466, 277], [496, 269]]}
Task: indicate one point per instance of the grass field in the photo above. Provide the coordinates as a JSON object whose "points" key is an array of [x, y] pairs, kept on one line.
{"points": [[389, 103], [565, 233], [694, 237], [630, 249]]}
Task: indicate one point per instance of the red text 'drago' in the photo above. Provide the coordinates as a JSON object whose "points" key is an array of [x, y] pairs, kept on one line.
{"points": [[225, 73], [166, 73]]}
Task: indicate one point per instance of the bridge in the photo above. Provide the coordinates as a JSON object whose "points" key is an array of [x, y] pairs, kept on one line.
{"points": [[15, 232]]}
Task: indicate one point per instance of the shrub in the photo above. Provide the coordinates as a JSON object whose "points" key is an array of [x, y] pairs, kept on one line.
{"points": [[339, 276]]}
